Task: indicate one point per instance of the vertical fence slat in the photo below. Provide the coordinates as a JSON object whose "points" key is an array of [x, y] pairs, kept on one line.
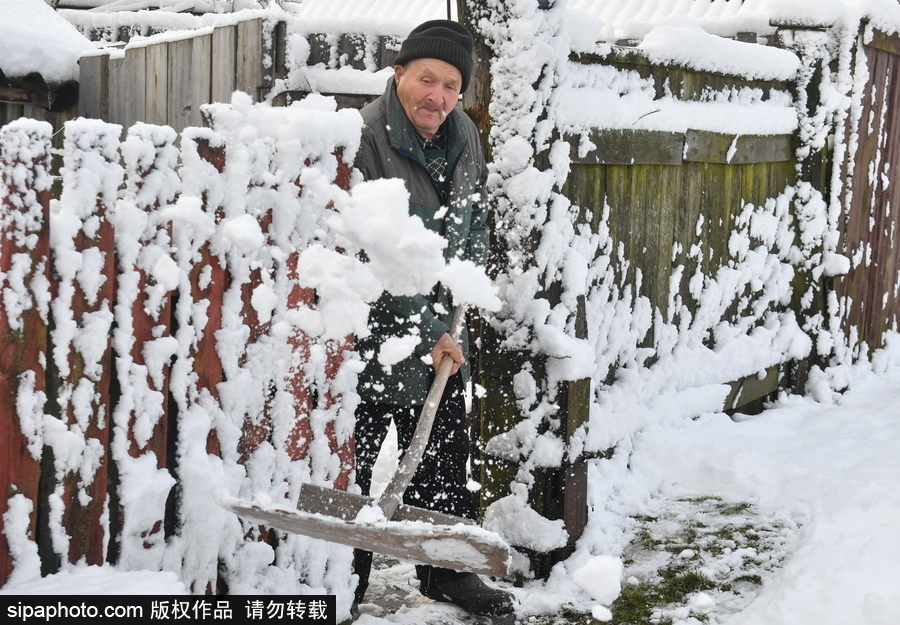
{"points": [[157, 81], [93, 86], [24, 275], [143, 335], [224, 71], [189, 79], [249, 67], [128, 88], [200, 444], [84, 267], [209, 282]]}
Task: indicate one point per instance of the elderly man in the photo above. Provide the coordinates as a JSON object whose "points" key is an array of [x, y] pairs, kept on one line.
{"points": [[414, 132]]}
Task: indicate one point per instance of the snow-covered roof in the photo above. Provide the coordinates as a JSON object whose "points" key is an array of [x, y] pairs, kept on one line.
{"points": [[35, 39]]}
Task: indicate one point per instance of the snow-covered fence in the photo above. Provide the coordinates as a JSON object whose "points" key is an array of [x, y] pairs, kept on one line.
{"points": [[667, 229], [24, 258], [151, 348], [868, 297]]}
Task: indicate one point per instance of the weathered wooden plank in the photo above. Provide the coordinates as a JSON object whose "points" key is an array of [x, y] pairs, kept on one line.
{"points": [[178, 73], [573, 503], [189, 80], [886, 43], [631, 147], [715, 207], [157, 84], [224, 71], [15, 95], [458, 546], [713, 147], [319, 49], [128, 88], [353, 51], [686, 226], [751, 388], [871, 307], [642, 252], [864, 196], [682, 82], [884, 207], [93, 89], [209, 282], [143, 314], [665, 216], [251, 75], [388, 49], [891, 313], [497, 413], [84, 376], [618, 195]]}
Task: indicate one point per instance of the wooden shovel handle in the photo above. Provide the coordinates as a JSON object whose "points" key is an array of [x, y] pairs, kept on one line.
{"points": [[392, 496]]}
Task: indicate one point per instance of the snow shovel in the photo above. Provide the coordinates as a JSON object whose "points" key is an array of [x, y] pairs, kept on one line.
{"points": [[385, 525]]}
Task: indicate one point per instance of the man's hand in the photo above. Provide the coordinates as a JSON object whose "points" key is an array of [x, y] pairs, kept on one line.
{"points": [[446, 347]]}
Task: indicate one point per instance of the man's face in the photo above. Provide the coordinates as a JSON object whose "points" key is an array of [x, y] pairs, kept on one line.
{"points": [[428, 90]]}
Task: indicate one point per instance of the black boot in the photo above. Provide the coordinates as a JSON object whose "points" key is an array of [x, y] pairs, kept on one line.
{"points": [[467, 591]]}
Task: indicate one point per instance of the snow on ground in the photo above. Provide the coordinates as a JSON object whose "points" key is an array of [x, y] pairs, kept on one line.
{"points": [[817, 480]]}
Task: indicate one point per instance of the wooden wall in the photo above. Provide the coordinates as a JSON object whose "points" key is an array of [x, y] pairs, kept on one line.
{"points": [[166, 82]]}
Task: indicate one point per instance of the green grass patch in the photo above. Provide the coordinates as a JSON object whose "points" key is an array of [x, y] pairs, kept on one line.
{"points": [[664, 578]]}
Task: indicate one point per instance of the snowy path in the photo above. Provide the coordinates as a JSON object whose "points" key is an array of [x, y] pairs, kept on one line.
{"points": [[818, 483]]}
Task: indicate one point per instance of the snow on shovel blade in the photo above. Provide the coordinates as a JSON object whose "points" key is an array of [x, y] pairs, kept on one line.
{"points": [[462, 546]]}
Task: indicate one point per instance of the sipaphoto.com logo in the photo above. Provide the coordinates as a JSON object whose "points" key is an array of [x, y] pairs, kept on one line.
{"points": [[26, 612]]}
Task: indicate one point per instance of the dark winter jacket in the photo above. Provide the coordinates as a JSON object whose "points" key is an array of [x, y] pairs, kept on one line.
{"points": [[389, 149]]}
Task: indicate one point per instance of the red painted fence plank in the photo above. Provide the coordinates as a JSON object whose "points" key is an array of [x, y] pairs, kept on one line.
{"points": [[24, 253]]}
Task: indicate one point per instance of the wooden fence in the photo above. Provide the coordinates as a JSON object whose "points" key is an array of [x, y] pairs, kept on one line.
{"points": [[146, 334], [166, 81], [668, 204], [869, 294]]}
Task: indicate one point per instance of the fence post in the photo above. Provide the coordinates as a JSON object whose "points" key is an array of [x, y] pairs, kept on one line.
{"points": [[198, 371], [209, 281], [302, 433], [145, 345], [24, 279], [84, 267], [335, 353]]}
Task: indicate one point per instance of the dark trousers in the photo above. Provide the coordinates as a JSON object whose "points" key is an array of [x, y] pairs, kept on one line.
{"points": [[440, 481]]}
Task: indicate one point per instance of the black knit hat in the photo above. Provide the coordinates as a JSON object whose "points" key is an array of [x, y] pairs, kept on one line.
{"points": [[444, 40]]}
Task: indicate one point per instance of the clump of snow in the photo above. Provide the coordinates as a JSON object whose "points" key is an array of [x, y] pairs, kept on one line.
{"points": [[682, 42], [601, 578], [519, 525]]}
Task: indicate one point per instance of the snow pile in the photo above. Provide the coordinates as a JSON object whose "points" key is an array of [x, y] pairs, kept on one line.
{"points": [[683, 42], [37, 40], [101, 580]]}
